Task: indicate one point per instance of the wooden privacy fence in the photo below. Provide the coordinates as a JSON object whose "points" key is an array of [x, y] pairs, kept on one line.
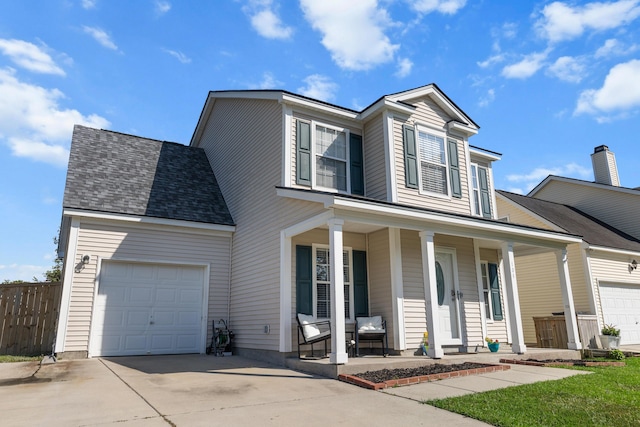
{"points": [[28, 317]]}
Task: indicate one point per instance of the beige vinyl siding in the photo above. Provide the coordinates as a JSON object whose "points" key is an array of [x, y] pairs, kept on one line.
{"points": [[415, 316], [380, 278], [429, 114], [114, 240], [611, 268], [517, 215], [374, 159], [597, 202], [323, 120], [470, 315], [539, 287], [243, 141]]}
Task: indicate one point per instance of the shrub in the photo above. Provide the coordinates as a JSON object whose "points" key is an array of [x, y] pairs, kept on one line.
{"points": [[615, 354]]}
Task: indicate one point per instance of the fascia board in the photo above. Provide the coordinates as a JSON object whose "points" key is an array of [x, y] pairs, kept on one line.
{"points": [[386, 104], [307, 196], [488, 156], [78, 213], [461, 127], [318, 106], [444, 220], [612, 250]]}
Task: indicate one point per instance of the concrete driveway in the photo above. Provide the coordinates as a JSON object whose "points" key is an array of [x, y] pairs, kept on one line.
{"points": [[196, 390]]}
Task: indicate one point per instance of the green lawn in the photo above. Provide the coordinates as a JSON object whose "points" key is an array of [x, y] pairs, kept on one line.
{"points": [[608, 397], [8, 359]]}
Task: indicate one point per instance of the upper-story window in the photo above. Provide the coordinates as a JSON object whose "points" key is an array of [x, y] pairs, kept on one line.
{"points": [[432, 164], [329, 158], [481, 199]]}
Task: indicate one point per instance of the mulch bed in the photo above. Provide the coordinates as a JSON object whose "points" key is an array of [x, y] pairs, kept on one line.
{"points": [[377, 380], [561, 362]]}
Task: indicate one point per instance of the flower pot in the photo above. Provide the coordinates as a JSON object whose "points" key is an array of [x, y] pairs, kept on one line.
{"points": [[609, 341], [494, 347]]}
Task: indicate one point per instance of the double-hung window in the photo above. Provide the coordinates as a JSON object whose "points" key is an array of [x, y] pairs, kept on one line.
{"points": [[431, 162], [322, 282], [481, 199], [329, 158]]}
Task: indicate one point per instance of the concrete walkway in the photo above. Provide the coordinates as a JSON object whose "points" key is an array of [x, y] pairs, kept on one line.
{"points": [[197, 390]]}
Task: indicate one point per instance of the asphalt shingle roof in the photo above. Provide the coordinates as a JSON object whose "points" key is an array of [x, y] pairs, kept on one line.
{"points": [[126, 174], [574, 221]]}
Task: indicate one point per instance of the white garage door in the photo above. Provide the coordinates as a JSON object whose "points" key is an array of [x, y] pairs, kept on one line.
{"points": [[621, 307], [147, 309]]}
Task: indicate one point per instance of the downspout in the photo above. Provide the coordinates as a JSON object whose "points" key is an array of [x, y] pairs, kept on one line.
{"points": [[229, 280]]}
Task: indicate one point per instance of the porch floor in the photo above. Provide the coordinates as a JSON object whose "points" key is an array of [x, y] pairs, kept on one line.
{"points": [[357, 365]]}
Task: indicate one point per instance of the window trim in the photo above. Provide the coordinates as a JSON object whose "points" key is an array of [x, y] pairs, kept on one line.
{"points": [[349, 251], [486, 292], [315, 155], [439, 134]]}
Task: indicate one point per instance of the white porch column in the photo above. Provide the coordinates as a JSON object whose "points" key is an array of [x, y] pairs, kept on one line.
{"points": [[567, 299], [397, 290], [431, 294], [338, 345], [513, 298]]}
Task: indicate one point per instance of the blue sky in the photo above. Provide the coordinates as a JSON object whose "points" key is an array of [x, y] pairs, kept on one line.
{"points": [[546, 81]]}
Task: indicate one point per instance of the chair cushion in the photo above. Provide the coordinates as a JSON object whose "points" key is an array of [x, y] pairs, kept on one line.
{"points": [[308, 328], [370, 324]]}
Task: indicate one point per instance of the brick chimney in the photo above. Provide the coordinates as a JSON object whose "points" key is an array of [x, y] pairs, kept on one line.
{"points": [[605, 170]]}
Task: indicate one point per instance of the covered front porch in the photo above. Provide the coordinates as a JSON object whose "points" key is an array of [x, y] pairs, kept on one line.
{"points": [[451, 276]]}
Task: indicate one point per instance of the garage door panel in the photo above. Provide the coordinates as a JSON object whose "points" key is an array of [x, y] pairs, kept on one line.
{"points": [[621, 307], [148, 309]]}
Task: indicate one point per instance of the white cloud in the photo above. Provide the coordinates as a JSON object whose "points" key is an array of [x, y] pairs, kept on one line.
{"points": [[100, 36], [620, 91], [178, 55], [509, 30], [568, 69], [488, 98], [527, 67], [533, 178], [562, 21], [448, 7], [268, 82], [613, 47], [24, 272], [405, 65], [29, 56], [162, 7], [265, 20], [495, 59], [88, 4], [33, 124], [353, 32], [319, 87]]}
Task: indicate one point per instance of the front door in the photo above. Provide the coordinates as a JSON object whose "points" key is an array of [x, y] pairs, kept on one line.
{"points": [[448, 295]]}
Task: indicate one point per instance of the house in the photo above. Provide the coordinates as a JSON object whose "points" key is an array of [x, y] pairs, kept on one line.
{"points": [[603, 275], [332, 212]]}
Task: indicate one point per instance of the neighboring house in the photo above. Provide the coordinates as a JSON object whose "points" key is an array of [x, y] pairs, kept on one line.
{"points": [[602, 269], [601, 278], [337, 213]]}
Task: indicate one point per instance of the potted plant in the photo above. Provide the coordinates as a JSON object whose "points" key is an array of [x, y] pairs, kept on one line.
{"points": [[494, 345], [610, 337]]}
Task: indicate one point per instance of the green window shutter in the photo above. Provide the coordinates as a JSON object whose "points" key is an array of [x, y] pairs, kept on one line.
{"points": [[304, 280], [485, 200], [357, 169], [303, 153], [496, 301], [410, 157], [454, 169], [360, 291]]}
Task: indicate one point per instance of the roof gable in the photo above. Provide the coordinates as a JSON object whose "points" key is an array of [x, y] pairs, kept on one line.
{"points": [[125, 174]]}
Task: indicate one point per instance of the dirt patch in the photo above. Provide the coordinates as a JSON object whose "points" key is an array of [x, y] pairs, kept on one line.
{"points": [[384, 378], [561, 362]]}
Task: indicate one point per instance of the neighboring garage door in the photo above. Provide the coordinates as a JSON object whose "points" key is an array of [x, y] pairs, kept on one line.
{"points": [[621, 307], [147, 309]]}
